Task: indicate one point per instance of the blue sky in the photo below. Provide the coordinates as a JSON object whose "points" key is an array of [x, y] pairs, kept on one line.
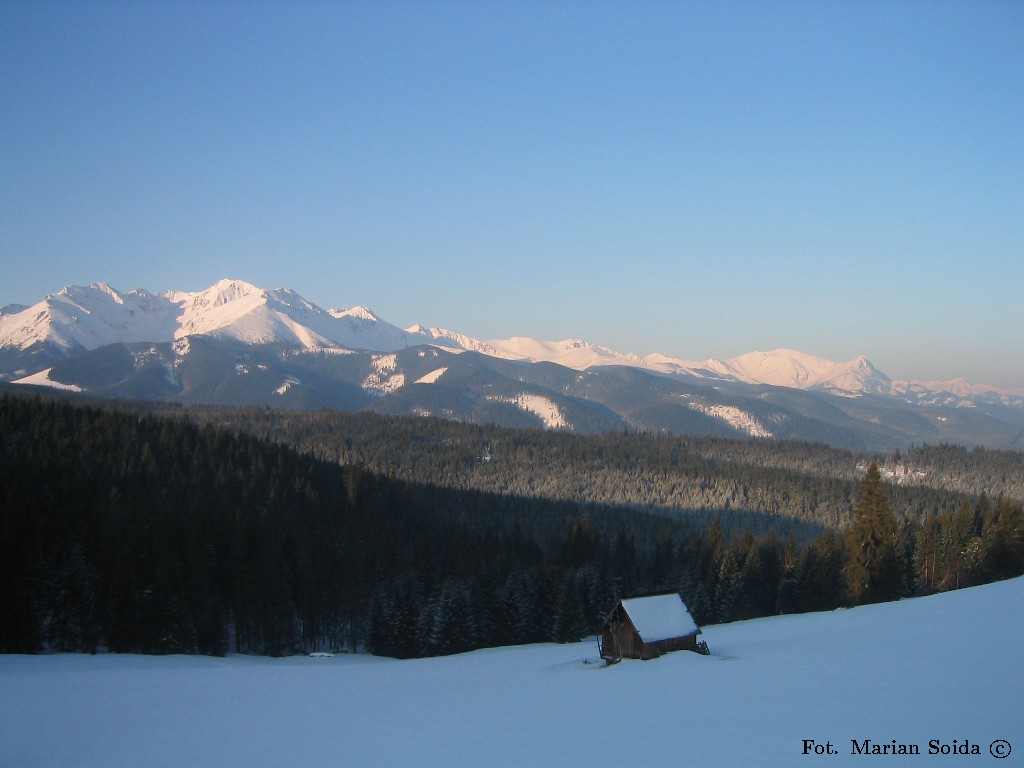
{"points": [[700, 179]]}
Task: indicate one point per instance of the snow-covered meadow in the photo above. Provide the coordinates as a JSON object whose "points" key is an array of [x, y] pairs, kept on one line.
{"points": [[947, 667]]}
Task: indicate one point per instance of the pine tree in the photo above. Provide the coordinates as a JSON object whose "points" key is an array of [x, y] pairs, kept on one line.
{"points": [[1004, 541], [926, 555], [874, 568], [822, 572], [727, 588]]}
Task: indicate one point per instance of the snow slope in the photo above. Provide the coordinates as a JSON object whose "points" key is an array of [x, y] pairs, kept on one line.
{"points": [[42, 379], [944, 667], [733, 416], [543, 408]]}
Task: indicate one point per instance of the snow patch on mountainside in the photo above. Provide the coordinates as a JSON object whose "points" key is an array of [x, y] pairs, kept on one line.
{"points": [[431, 377], [734, 417], [543, 408], [42, 379], [385, 363], [385, 377], [289, 382]]}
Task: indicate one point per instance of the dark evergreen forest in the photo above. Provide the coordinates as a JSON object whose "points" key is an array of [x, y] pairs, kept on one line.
{"points": [[128, 531], [786, 486]]}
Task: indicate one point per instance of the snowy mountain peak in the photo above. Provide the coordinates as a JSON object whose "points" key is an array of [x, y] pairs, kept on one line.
{"points": [[104, 288], [791, 368], [88, 317], [781, 365], [85, 318], [454, 341], [221, 293], [359, 313], [219, 307]]}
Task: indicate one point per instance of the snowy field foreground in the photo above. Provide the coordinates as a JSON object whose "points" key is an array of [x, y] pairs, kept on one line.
{"points": [[944, 667]]}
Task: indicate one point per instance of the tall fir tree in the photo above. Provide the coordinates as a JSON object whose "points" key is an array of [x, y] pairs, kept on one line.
{"points": [[874, 563]]}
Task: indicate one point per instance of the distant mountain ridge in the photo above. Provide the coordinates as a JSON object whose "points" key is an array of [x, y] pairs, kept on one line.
{"points": [[93, 316], [56, 340]]}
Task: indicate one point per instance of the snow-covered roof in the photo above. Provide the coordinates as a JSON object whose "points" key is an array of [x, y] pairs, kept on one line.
{"points": [[660, 617]]}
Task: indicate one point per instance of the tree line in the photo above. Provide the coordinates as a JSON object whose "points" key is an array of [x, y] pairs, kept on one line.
{"points": [[135, 532]]}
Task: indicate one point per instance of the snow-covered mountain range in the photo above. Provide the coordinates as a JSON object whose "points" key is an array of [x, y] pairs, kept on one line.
{"points": [[57, 341], [96, 315]]}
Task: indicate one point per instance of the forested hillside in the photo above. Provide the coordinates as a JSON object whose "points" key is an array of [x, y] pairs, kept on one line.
{"points": [[127, 531], [757, 483]]}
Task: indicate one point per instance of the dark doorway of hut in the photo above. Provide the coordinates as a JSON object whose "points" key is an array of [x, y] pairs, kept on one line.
{"points": [[647, 627]]}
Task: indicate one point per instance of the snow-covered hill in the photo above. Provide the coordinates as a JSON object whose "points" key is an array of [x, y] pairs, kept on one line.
{"points": [[938, 674]]}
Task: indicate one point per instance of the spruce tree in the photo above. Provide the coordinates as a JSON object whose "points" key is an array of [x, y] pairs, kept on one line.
{"points": [[874, 567]]}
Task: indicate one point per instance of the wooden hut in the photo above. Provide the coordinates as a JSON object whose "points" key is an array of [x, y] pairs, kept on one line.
{"points": [[646, 627]]}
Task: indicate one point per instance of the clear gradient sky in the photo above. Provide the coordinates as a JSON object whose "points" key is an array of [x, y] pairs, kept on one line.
{"points": [[700, 179]]}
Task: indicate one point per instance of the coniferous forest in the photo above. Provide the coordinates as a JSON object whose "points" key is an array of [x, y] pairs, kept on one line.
{"points": [[128, 531]]}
